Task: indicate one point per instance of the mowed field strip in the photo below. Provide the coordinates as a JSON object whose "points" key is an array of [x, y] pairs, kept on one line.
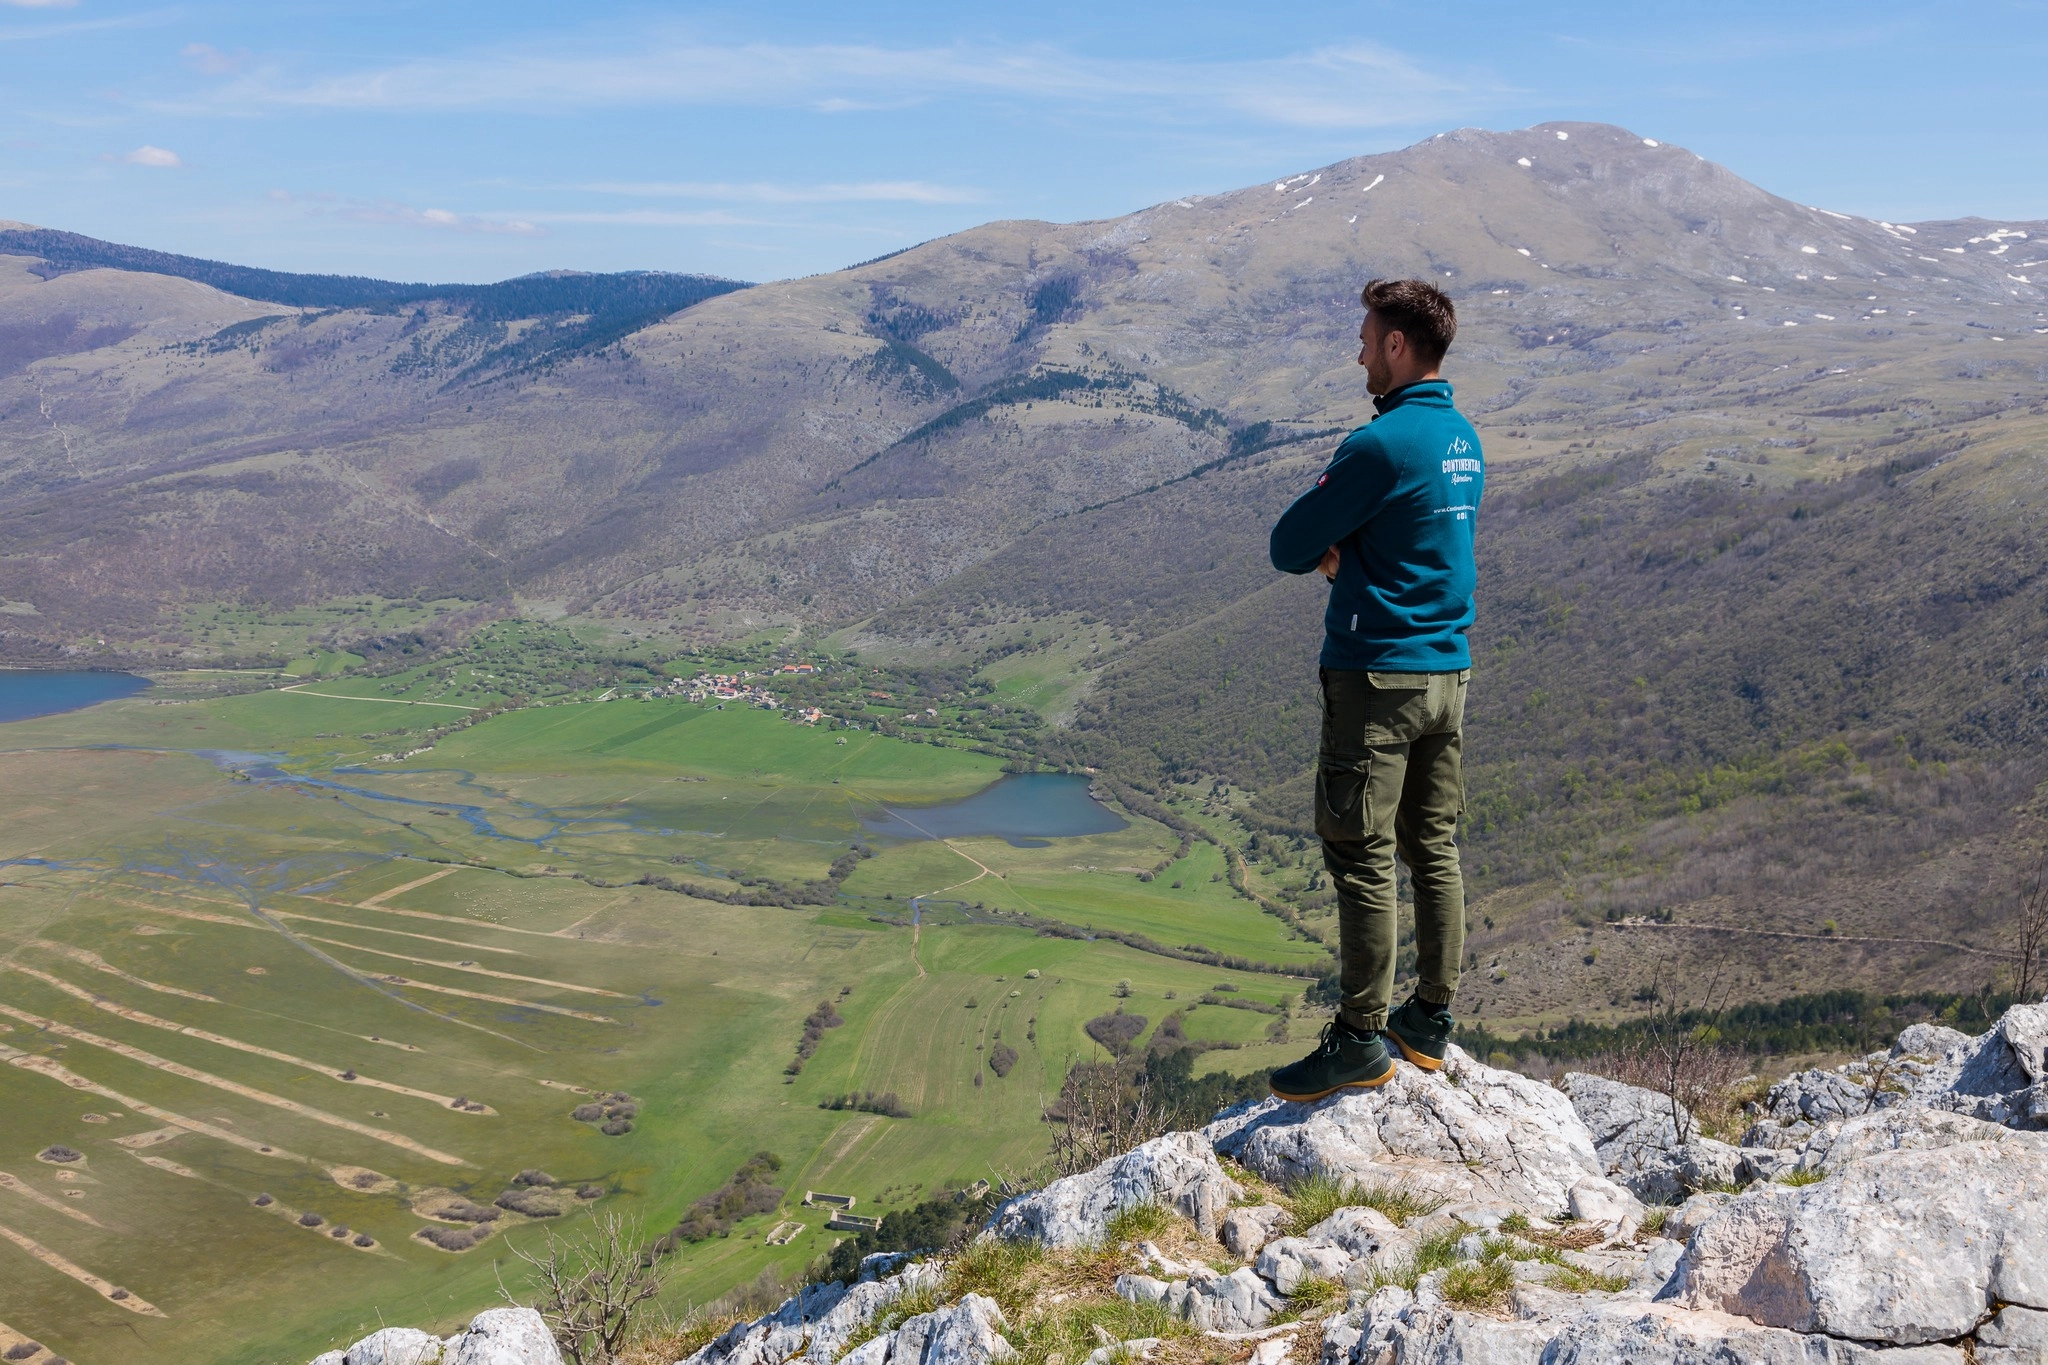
{"points": [[247, 1092], [34, 1195], [106, 1289], [507, 956], [136, 1016]]}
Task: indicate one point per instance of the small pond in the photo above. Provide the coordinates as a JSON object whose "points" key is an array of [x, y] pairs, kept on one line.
{"points": [[28, 692], [1025, 808]]}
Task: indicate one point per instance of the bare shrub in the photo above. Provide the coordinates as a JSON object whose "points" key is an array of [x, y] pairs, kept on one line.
{"points": [[590, 1287], [1679, 1057], [1102, 1111], [2030, 934]]}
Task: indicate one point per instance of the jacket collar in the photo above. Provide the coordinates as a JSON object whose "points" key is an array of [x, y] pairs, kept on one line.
{"points": [[1436, 392]]}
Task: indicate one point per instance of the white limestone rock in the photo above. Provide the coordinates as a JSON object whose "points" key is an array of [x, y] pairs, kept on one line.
{"points": [[1596, 1199], [503, 1336], [2016, 1336], [1465, 1132], [392, 1346], [1618, 1332], [1247, 1229], [965, 1333], [1178, 1170], [1286, 1262], [1237, 1302], [814, 1324], [1363, 1232], [1647, 1142], [1686, 1219], [1909, 1245], [1137, 1348], [1656, 1270]]}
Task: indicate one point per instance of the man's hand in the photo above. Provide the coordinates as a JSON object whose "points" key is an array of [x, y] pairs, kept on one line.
{"points": [[1328, 568]]}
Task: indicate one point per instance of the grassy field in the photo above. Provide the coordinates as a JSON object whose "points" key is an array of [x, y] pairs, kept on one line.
{"points": [[221, 980]]}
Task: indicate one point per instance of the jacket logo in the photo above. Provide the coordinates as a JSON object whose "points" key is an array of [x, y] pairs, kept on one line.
{"points": [[1322, 480]]}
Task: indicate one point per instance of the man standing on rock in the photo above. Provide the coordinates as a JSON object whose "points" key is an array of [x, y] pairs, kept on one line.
{"points": [[1390, 523]]}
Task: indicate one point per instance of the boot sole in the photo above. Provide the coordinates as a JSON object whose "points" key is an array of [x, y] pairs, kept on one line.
{"points": [[1372, 1084], [1421, 1059]]}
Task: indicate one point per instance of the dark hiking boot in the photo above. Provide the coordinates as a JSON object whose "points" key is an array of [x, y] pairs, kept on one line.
{"points": [[1422, 1031], [1344, 1059]]}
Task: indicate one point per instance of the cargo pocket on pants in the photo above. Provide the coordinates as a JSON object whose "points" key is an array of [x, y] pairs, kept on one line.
{"points": [[1341, 801]]}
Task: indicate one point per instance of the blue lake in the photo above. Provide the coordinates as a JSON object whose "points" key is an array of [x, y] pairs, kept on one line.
{"points": [[1024, 808], [26, 692]]}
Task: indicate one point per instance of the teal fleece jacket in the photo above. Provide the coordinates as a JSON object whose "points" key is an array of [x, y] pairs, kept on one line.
{"points": [[1399, 500]]}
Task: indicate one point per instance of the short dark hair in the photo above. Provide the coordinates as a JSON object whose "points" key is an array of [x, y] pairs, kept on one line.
{"points": [[1418, 310]]}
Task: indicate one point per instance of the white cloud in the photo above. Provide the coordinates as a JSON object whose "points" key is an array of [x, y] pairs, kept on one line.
{"points": [[1356, 86], [406, 215], [147, 155], [870, 191], [650, 218], [209, 60]]}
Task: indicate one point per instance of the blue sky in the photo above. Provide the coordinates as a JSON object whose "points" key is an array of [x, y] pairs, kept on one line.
{"points": [[459, 141]]}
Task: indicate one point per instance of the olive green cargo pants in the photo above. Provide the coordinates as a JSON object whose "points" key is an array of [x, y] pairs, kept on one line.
{"points": [[1391, 779]]}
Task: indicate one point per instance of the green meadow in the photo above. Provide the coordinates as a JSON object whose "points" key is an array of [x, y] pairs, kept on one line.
{"points": [[221, 980]]}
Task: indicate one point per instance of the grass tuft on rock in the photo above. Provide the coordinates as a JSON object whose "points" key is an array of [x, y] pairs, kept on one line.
{"points": [[1573, 1279], [1809, 1175], [1315, 1197], [1481, 1286], [1314, 1291]]}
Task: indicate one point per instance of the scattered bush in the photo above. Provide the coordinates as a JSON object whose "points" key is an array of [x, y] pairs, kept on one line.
{"points": [[60, 1154], [868, 1102], [815, 1024], [22, 1350], [310, 1220], [590, 1191], [1001, 1058], [531, 1203], [463, 1211], [448, 1239], [745, 1194], [339, 1232], [587, 1113], [538, 1179], [263, 1201], [364, 1239], [1116, 1032], [616, 1127]]}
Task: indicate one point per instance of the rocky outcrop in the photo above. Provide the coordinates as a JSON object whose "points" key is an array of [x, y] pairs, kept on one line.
{"points": [[1178, 1171], [816, 1323], [1649, 1142], [1911, 1232], [1467, 1132], [497, 1336], [2000, 1078], [1924, 1232]]}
